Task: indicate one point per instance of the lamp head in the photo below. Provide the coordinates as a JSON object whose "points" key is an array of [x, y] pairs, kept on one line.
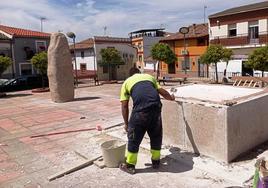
{"points": [[70, 35]]}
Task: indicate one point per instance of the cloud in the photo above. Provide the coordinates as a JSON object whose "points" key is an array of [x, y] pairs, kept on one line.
{"points": [[88, 17]]}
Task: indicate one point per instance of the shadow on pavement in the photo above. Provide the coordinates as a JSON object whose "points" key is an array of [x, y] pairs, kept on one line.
{"points": [[176, 162], [252, 153], [8, 95], [85, 98]]}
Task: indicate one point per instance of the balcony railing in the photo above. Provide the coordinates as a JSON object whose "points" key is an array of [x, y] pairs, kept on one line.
{"points": [[241, 40]]}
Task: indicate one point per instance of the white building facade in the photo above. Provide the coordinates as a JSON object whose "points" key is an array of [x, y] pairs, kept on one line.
{"points": [[242, 29]]}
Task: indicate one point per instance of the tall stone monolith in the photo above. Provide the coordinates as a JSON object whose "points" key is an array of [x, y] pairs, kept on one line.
{"points": [[60, 71]]}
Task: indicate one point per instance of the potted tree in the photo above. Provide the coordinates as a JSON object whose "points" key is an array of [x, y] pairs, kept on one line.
{"points": [[5, 62], [39, 62]]}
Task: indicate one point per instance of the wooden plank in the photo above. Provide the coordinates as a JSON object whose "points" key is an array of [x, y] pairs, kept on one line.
{"points": [[255, 84], [73, 169], [245, 83], [239, 82], [100, 163], [234, 83], [250, 83]]}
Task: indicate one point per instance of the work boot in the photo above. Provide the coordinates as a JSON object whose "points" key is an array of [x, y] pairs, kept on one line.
{"points": [[128, 168], [155, 164]]}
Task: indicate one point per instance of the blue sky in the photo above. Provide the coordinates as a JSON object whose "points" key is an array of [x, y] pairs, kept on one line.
{"points": [[88, 17]]}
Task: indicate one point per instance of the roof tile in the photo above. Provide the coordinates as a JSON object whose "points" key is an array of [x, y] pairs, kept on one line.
{"points": [[23, 32], [195, 31], [245, 8], [85, 44]]}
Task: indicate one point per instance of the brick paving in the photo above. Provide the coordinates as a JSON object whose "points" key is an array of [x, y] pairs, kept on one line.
{"points": [[28, 162], [23, 114]]}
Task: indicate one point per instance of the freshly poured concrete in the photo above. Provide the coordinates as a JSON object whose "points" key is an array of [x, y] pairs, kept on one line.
{"points": [[213, 129], [215, 93]]}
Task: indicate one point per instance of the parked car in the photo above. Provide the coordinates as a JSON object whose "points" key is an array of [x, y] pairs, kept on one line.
{"points": [[23, 83]]}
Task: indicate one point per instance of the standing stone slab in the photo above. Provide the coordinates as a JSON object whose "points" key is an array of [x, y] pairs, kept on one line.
{"points": [[60, 71]]}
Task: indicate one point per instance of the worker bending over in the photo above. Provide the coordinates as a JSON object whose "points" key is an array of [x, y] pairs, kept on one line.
{"points": [[145, 117]]}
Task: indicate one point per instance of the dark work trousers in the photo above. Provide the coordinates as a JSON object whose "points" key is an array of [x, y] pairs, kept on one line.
{"points": [[145, 121]]}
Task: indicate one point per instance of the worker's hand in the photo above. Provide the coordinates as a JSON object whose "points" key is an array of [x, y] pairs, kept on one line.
{"points": [[126, 127], [172, 97]]}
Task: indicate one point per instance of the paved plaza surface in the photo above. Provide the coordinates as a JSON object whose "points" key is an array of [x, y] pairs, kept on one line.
{"points": [[28, 162]]}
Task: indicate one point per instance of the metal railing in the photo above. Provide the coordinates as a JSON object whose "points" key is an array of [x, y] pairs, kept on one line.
{"points": [[211, 75], [241, 39]]}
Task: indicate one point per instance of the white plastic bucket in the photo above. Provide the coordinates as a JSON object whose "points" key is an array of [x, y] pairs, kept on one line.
{"points": [[113, 152]]}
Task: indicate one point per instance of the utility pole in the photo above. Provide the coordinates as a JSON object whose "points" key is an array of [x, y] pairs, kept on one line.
{"points": [[41, 22], [104, 30], [205, 7]]}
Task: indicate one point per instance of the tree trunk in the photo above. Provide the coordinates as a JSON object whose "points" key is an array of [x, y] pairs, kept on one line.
{"points": [[157, 71], [262, 75], [43, 81], [207, 70], [109, 72], [225, 69], [216, 72]]}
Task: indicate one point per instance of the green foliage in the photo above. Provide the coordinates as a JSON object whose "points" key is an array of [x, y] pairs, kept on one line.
{"points": [[258, 60], [39, 61], [162, 52], [227, 54], [215, 54], [111, 56], [5, 62]]}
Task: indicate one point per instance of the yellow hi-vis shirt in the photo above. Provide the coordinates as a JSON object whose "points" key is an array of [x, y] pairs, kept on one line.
{"points": [[131, 81]]}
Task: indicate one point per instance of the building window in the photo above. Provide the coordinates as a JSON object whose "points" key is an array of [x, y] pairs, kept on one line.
{"points": [[26, 69], [201, 42], [40, 46], [105, 69], [29, 53], [232, 31], [253, 30], [82, 54], [83, 67], [91, 52], [186, 63], [140, 58]]}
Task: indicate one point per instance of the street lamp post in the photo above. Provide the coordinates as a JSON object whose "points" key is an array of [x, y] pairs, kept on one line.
{"points": [[72, 36], [205, 7], [41, 22], [184, 31]]}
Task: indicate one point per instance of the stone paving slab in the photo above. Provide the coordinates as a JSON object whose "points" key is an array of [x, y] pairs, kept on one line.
{"points": [[23, 114], [27, 162]]}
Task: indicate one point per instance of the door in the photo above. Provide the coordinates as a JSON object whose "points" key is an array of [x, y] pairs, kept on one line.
{"points": [[171, 68], [201, 68], [114, 73], [245, 70]]}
